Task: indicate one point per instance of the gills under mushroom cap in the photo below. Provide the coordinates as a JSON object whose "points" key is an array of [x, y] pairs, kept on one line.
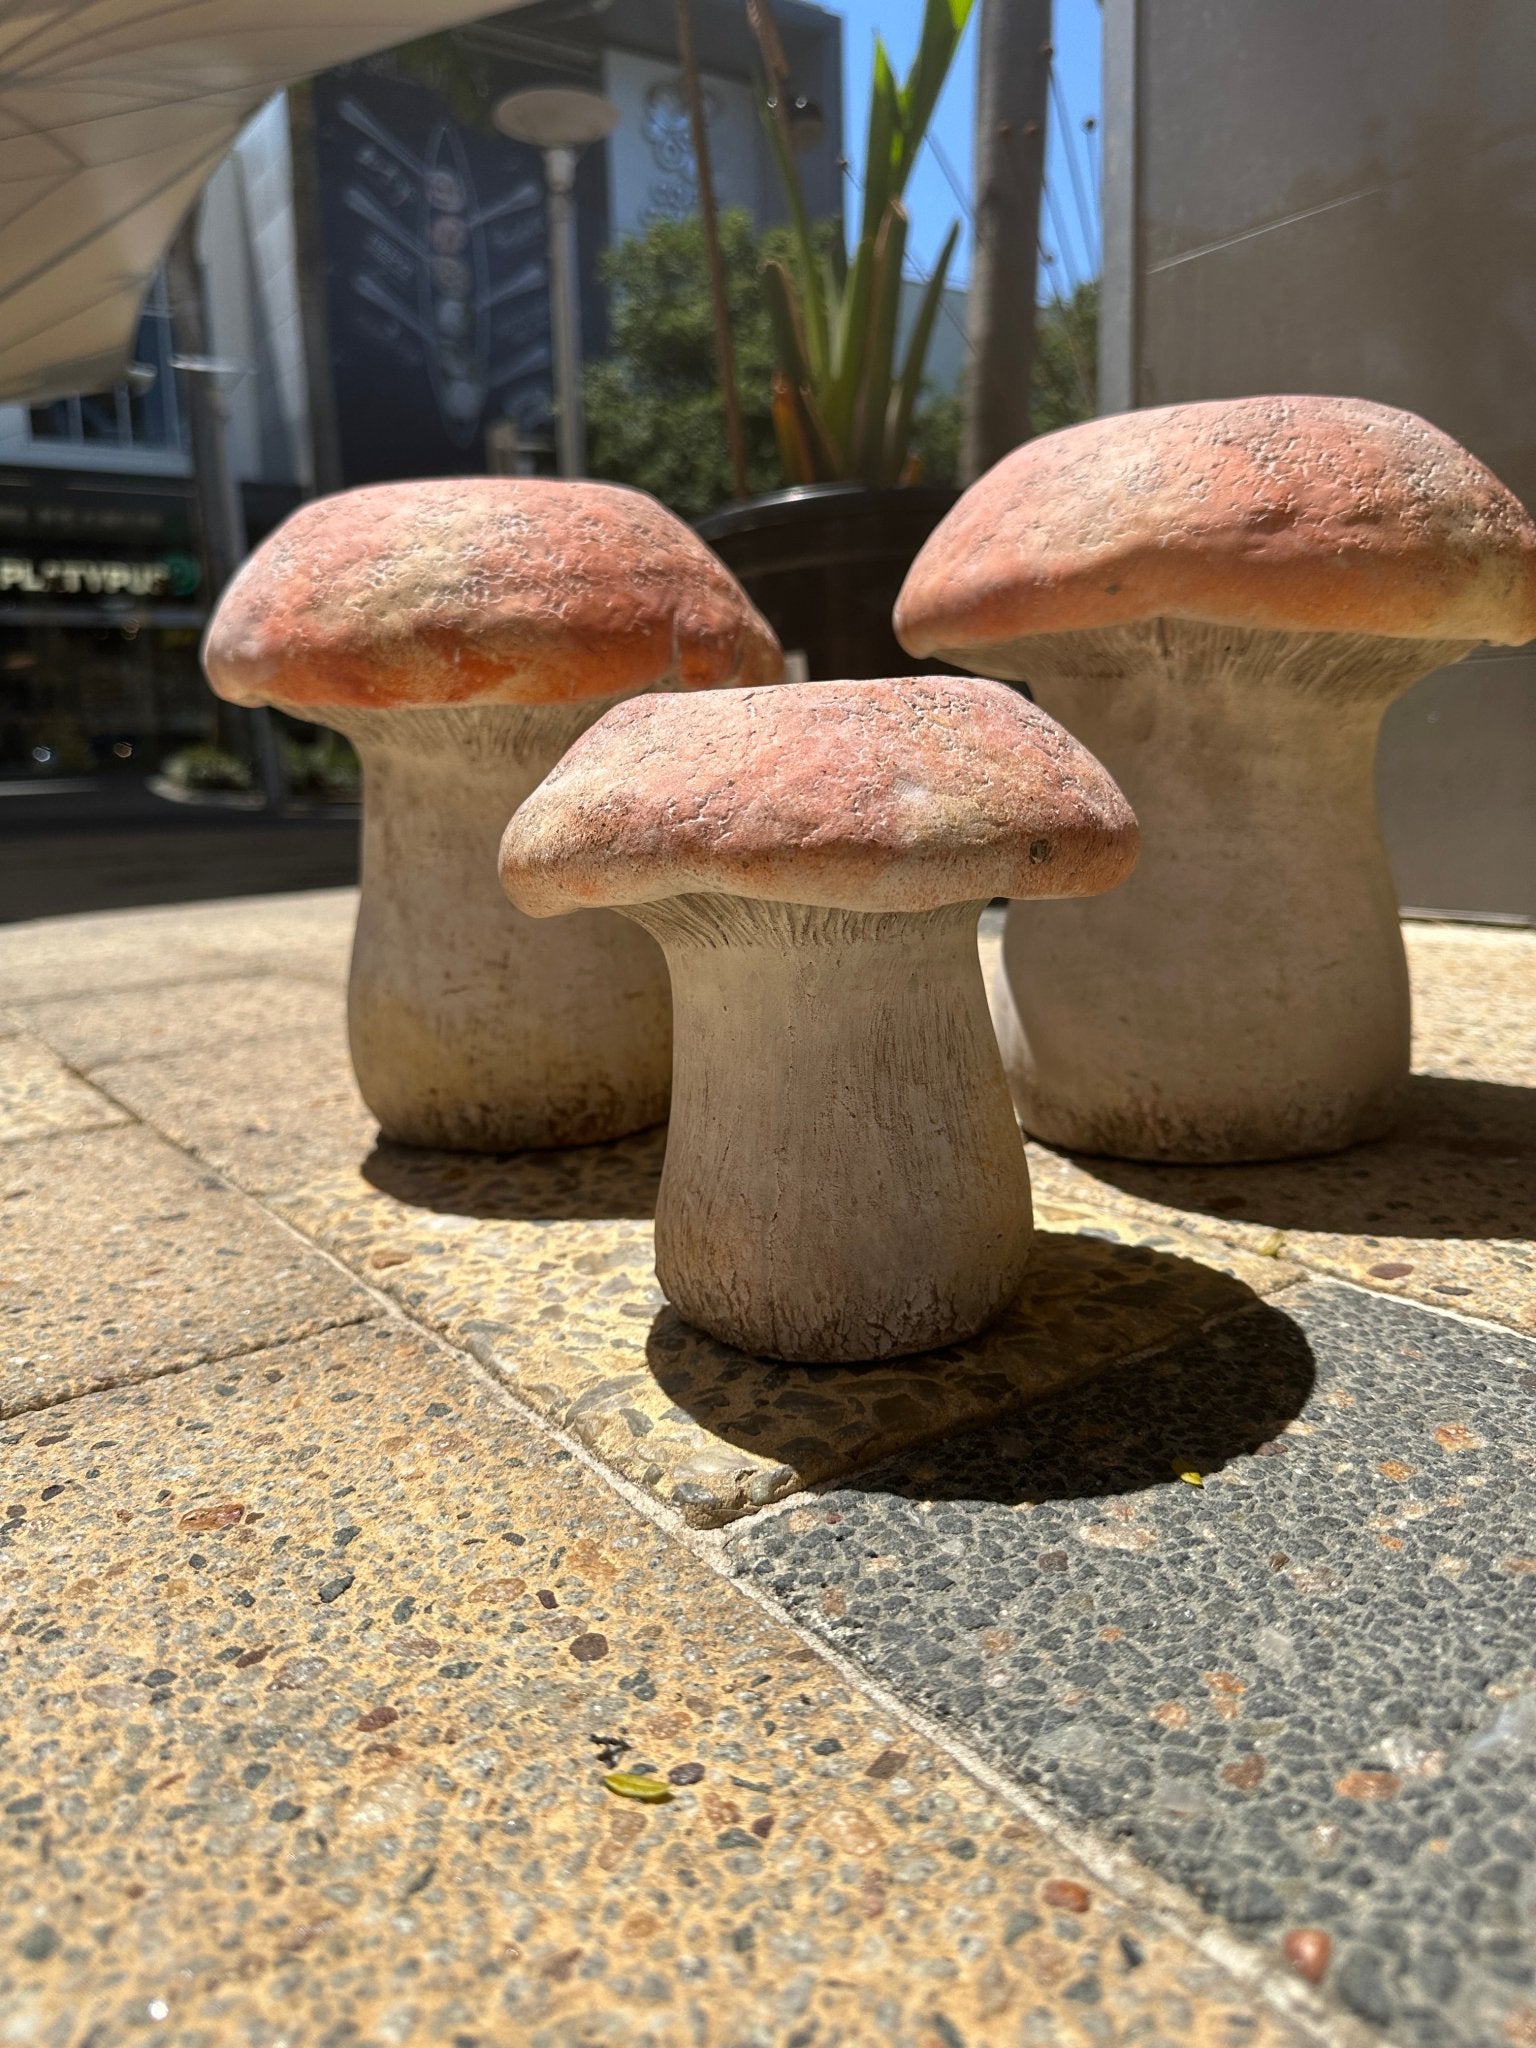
{"points": [[1304, 514], [464, 590], [895, 795]]}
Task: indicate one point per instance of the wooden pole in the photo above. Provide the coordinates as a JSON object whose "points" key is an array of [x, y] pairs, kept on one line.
{"points": [[724, 345], [1013, 69]]}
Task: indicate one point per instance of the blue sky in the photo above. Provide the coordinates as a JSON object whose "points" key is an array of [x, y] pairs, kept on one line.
{"points": [[930, 199]]}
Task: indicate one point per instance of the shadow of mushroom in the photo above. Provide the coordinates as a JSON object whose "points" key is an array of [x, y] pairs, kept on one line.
{"points": [[1464, 1115], [1139, 1425], [1087, 1306], [1462, 1164], [584, 1182]]}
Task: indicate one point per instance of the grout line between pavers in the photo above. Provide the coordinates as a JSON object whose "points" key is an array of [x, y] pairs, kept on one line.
{"points": [[63, 1131], [18, 1004], [31, 1037], [1165, 1903], [182, 1052], [130, 988], [1292, 1254], [1487, 1326], [817, 1489], [185, 1365], [232, 969], [133, 1120]]}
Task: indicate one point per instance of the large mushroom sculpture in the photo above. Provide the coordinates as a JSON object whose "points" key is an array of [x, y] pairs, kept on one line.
{"points": [[462, 632], [844, 1176], [1221, 600]]}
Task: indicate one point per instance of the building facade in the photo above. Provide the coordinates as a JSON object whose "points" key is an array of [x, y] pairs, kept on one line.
{"points": [[1315, 198], [378, 307]]}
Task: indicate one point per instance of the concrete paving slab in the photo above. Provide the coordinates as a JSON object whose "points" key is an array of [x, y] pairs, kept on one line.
{"points": [[544, 1267], [270, 1115], [306, 935], [41, 961], [1474, 1001], [39, 1095], [123, 1261], [1448, 1228], [323, 1659], [1458, 1113], [151, 1023], [1445, 1212], [58, 958], [1262, 1609]]}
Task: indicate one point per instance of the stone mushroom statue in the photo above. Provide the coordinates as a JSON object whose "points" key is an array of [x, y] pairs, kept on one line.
{"points": [[1221, 600], [462, 632], [844, 1177]]}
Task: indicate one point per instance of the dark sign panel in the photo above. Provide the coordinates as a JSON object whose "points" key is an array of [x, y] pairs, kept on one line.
{"points": [[436, 274], [67, 536], [172, 576], [64, 513]]}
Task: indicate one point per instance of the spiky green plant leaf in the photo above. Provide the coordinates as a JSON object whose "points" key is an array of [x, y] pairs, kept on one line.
{"points": [[910, 383]]}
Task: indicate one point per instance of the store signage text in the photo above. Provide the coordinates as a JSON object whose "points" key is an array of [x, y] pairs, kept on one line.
{"points": [[169, 576]]}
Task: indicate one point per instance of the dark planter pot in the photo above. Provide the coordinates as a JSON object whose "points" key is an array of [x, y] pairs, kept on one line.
{"points": [[823, 564]]}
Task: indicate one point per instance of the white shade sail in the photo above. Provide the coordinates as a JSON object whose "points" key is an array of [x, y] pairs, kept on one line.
{"points": [[113, 114]]}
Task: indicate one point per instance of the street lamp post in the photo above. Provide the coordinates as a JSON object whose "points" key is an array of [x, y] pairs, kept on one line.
{"points": [[561, 121]]}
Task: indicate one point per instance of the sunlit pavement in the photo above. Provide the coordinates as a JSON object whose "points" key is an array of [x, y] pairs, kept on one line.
{"points": [[1155, 1669]]}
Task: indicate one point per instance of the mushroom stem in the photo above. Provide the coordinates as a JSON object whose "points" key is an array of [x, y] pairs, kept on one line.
{"points": [[1245, 994], [844, 1176], [472, 1026]]}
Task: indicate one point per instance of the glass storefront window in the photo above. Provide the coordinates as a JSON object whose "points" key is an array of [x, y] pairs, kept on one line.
{"points": [[55, 421], [122, 418], [98, 700], [103, 415]]}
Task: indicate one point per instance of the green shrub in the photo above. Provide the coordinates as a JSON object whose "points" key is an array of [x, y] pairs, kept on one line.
{"points": [[206, 767], [325, 766]]}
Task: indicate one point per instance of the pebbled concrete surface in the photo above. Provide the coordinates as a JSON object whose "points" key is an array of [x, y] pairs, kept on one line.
{"points": [[543, 1267], [1303, 1687], [39, 1095], [307, 933], [1441, 1212], [271, 1114], [862, 1914], [1474, 996], [314, 1665], [122, 1260], [1449, 1227], [150, 1023]]}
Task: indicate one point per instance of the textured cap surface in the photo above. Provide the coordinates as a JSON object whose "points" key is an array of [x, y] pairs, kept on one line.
{"points": [[464, 589], [1291, 514], [895, 795]]}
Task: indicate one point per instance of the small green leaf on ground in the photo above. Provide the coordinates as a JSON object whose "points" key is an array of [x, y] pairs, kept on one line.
{"points": [[628, 1786]]}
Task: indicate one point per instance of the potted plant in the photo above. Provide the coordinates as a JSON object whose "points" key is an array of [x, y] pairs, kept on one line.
{"points": [[824, 558]]}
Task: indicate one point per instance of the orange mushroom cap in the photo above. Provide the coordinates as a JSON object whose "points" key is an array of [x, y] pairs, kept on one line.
{"points": [[463, 590], [1303, 515]]}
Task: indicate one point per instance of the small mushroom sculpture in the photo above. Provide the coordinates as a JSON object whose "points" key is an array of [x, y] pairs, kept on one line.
{"points": [[844, 1176], [1221, 600], [462, 632]]}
